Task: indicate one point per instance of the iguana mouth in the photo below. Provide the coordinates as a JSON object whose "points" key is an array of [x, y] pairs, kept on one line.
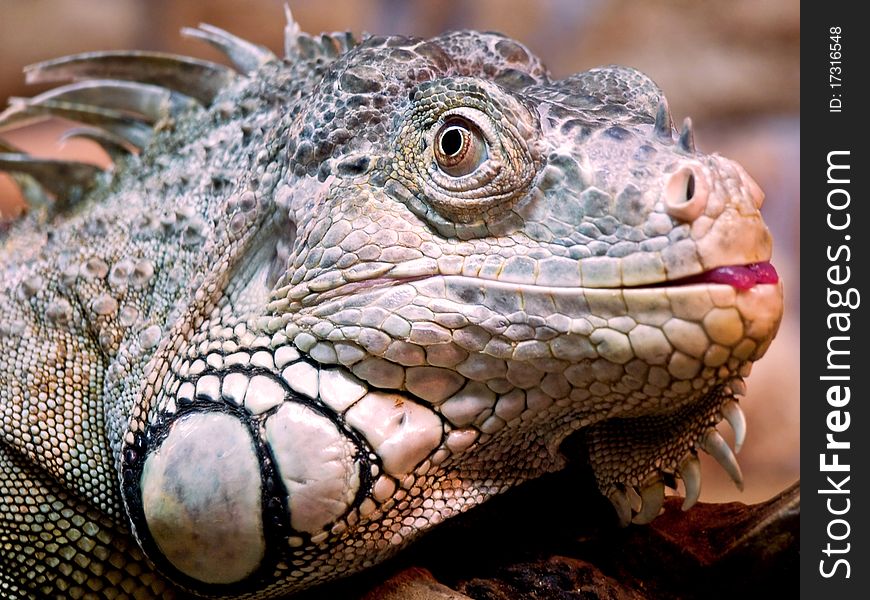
{"points": [[741, 277]]}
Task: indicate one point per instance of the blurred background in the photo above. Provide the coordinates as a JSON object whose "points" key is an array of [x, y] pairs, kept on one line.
{"points": [[732, 66]]}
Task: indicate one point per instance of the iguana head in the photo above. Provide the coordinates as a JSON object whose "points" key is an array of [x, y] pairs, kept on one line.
{"points": [[440, 263]]}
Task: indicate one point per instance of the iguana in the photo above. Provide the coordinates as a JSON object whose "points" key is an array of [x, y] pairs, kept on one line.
{"points": [[323, 302]]}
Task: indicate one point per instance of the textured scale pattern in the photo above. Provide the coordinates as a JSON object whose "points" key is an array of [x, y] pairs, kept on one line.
{"points": [[55, 545], [322, 303]]}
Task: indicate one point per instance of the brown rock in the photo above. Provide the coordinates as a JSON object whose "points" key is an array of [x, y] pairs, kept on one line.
{"points": [[680, 555], [555, 578], [414, 583]]}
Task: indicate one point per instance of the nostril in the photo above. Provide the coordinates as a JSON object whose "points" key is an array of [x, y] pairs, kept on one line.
{"points": [[686, 194], [690, 187]]}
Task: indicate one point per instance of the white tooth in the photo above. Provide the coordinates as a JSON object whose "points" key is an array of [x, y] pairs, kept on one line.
{"points": [[339, 389], [620, 502], [714, 445], [186, 391], [690, 472], [263, 359], [735, 417], [235, 386], [653, 496], [263, 393], [285, 355], [302, 377], [208, 387]]}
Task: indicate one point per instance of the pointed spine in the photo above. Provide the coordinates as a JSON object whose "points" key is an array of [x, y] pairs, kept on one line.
{"points": [[116, 147], [199, 79], [664, 125], [134, 132], [67, 180], [245, 56], [291, 32], [145, 102], [687, 137], [33, 192]]}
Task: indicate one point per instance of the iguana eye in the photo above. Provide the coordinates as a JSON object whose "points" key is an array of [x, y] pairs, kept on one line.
{"points": [[460, 147], [465, 153]]}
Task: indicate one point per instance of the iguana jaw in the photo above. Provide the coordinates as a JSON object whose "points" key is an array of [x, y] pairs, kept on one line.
{"points": [[741, 277], [698, 338]]}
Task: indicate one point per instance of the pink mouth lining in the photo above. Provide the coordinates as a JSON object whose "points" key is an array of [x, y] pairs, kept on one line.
{"points": [[742, 277]]}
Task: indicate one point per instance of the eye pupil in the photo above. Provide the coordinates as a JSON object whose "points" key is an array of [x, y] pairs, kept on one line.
{"points": [[459, 147], [451, 141]]}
